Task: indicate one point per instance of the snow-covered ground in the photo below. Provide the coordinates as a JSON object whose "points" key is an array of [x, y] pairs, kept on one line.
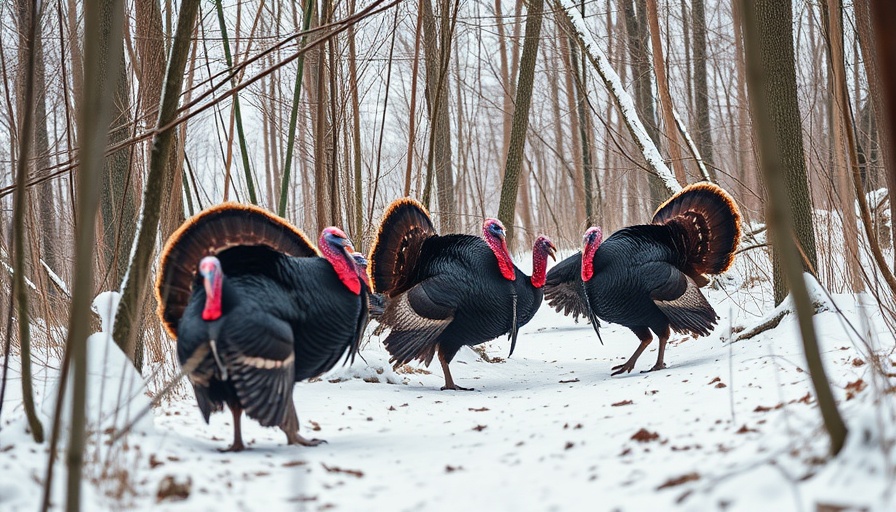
{"points": [[728, 426]]}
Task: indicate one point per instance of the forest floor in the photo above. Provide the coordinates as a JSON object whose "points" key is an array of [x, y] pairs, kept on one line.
{"points": [[728, 426]]}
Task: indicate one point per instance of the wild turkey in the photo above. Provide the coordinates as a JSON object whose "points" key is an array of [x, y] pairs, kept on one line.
{"points": [[648, 277], [444, 292], [250, 292]]}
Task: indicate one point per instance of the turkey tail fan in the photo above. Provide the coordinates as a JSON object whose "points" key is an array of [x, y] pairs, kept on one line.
{"points": [[406, 224], [708, 222], [212, 231]]}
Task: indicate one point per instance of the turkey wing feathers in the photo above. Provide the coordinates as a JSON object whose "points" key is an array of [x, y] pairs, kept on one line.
{"points": [[416, 321]]}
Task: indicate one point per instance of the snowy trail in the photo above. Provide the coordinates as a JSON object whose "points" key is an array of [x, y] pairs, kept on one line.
{"points": [[548, 429]]}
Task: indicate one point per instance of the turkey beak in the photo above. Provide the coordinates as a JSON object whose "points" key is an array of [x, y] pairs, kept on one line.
{"points": [[552, 249]]}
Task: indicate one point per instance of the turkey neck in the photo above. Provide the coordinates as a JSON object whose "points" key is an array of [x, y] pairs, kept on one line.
{"points": [[505, 262], [539, 268], [345, 269]]}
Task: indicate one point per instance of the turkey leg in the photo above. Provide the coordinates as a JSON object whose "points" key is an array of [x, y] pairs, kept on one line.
{"points": [[663, 338], [645, 337], [449, 382], [237, 445], [290, 427]]}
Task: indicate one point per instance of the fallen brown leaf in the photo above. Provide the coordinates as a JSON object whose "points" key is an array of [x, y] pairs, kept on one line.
{"points": [[745, 429], [644, 436], [479, 409], [334, 469], [854, 388], [569, 381], [673, 482], [172, 490], [480, 428], [624, 402]]}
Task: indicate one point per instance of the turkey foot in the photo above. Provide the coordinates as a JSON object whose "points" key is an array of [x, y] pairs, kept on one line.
{"points": [[290, 427], [237, 446], [630, 364], [304, 441], [455, 387], [623, 368], [657, 366]]}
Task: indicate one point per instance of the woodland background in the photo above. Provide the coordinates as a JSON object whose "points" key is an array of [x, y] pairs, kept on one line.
{"points": [[324, 111]]}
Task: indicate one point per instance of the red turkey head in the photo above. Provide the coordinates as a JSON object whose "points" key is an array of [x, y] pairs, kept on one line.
{"points": [[496, 238], [213, 279], [540, 251], [593, 237], [361, 261], [337, 249]]}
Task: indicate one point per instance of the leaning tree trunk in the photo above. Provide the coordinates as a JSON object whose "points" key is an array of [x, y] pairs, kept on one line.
{"points": [[103, 23], [28, 24], [768, 36], [151, 74], [507, 207], [128, 318]]}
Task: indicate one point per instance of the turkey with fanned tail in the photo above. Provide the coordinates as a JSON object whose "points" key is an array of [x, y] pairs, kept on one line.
{"points": [[444, 292], [248, 296], [648, 277]]}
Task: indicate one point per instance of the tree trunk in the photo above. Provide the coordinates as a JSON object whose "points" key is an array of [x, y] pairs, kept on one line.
{"points": [[842, 128], [129, 318], [768, 34], [513, 166], [659, 68], [775, 47], [637, 36], [28, 24], [701, 93], [436, 54], [103, 23], [878, 104], [118, 199]]}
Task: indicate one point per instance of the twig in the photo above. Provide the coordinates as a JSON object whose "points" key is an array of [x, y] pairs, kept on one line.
{"points": [[186, 368]]}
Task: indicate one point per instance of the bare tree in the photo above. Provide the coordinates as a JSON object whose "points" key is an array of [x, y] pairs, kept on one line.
{"points": [[512, 169], [129, 318], [768, 36]]}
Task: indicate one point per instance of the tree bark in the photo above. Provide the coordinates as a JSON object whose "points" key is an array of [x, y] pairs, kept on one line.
{"points": [[768, 35], [841, 122], [128, 318], [103, 24], [659, 69], [28, 24], [701, 92], [776, 55], [637, 36], [878, 103], [513, 166], [436, 54]]}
